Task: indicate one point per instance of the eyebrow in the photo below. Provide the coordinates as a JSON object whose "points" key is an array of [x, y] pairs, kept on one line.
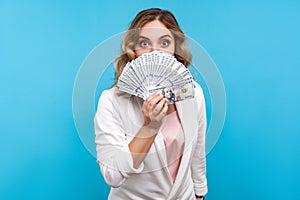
{"points": [[158, 38]]}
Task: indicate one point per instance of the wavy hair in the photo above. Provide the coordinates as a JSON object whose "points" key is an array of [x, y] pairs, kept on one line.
{"points": [[131, 37]]}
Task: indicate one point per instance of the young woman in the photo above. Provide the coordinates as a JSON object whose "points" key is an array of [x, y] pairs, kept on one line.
{"points": [[148, 149]]}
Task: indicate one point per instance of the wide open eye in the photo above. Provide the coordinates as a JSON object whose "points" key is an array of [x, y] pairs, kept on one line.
{"points": [[144, 43], [165, 43]]}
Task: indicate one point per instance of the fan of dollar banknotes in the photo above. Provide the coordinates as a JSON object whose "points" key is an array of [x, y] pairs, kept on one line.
{"points": [[157, 72]]}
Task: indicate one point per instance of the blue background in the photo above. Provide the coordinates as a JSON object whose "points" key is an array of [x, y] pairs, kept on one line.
{"points": [[255, 44]]}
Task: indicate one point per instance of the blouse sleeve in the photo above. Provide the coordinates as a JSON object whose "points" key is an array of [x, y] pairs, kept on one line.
{"points": [[113, 154], [199, 157]]}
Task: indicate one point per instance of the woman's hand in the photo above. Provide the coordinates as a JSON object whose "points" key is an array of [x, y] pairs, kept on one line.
{"points": [[154, 109]]}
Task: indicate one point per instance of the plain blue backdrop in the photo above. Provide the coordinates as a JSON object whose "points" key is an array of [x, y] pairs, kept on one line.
{"points": [[255, 44]]}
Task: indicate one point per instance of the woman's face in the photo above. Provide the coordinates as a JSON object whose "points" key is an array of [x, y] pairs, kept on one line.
{"points": [[154, 36]]}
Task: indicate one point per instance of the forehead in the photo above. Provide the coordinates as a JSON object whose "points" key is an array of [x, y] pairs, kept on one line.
{"points": [[155, 29]]}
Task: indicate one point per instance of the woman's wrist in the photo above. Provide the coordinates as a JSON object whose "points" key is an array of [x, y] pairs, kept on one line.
{"points": [[152, 127], [147, 132]]}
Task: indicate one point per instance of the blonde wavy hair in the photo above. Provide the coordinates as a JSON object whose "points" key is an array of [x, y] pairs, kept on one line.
{"points": [[131, 37]]}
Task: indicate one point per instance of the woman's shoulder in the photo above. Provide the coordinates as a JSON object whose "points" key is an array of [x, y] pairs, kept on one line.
{"points": [[107, 95], [198, 89], [108, 92], [113, 93]]}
